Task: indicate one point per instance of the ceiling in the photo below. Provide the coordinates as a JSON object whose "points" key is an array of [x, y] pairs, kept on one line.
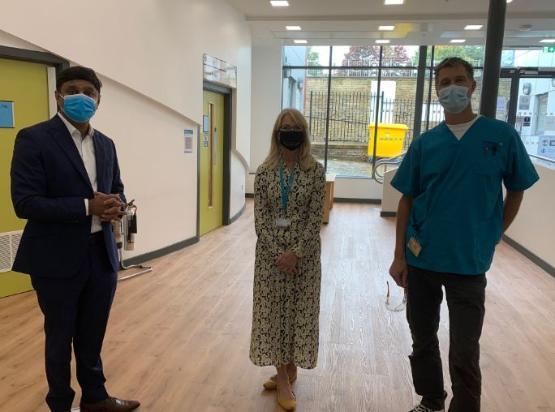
{"points": [[353, 22]]}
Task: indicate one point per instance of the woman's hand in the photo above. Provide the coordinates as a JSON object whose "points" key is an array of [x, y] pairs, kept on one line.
{"points": [[287, 262]]}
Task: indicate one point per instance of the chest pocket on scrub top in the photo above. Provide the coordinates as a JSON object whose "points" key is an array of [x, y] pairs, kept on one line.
{"points": [[489, 160]]}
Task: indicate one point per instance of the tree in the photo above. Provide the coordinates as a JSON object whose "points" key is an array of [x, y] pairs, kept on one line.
{"points": [[313, 59], [473, 54], [370, 56]]}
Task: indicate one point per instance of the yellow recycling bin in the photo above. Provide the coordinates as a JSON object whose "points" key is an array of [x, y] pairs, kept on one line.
{"points": [[390, 139]]}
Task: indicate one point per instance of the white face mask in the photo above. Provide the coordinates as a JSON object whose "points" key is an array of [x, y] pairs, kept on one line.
{"points": [[454, 98]]}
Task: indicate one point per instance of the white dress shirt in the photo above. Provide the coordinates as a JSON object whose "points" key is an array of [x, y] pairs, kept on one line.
{"points": [[85, 147]]}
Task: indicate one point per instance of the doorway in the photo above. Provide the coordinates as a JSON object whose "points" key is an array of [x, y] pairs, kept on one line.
{"points": [[214, 162], [23, 102]]}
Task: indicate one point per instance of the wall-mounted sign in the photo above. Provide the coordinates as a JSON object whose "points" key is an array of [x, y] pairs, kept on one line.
{"points": [[7, 118], [189, 139], [205, 124], [218, 71], [524, 103]]}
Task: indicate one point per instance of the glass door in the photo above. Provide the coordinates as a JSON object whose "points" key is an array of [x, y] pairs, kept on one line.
{"points": [[526, 100]]}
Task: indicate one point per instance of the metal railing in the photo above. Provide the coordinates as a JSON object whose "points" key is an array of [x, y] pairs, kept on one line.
{"points": [[352, 112]]}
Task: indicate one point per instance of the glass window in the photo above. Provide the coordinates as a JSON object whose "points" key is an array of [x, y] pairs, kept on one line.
{"points": [[528, 57], [306, 55], [369, 113], [359, 101], [369, 56], [307, 91], [472, 54], [535, 115]]}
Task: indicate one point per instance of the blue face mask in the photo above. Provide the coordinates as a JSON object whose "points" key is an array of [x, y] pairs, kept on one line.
{"points": [[454, 98], [79, 107]]}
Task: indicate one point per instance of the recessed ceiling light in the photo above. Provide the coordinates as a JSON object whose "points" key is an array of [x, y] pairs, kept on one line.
{"points": [[474, 26], [387, 28], [300, 41], [509, 1], [383, 41], [393, 2], [547, 41], [293, 28], [458, 41], [279, 3]]}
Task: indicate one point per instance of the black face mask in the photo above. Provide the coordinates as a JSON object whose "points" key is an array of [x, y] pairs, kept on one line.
{"points": [[291, 139]]}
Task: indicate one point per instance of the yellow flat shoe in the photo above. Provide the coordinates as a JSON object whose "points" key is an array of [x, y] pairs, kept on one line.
{"points": [[287, 404], [271, 385]]}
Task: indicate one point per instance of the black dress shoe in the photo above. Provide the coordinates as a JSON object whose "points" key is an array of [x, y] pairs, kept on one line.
{"points": [[110, 405]]}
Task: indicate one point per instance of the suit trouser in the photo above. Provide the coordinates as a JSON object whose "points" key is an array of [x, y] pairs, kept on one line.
{"points": [[76, 311], [465, 300]]}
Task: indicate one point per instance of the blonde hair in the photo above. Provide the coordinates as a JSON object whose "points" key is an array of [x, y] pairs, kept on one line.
{"points": [[306, 160]]}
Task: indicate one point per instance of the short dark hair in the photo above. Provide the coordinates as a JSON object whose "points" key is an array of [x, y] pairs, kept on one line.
{"points": [[453, 62], [78, 73]]}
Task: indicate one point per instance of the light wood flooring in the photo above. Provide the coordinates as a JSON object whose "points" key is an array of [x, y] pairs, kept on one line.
{"points": [[178, 338]]}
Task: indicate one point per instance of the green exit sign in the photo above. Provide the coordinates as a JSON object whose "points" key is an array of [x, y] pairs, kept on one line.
{"points": [[550, 49]]}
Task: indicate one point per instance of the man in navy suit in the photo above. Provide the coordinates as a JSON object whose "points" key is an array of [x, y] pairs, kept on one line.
{"points": [[65, 181]]}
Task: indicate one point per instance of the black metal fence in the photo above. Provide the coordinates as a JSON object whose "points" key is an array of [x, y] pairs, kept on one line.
{"points": [[350, 114]]}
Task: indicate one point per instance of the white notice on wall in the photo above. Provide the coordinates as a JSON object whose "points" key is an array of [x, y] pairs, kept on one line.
{"points": [[189, 136]]}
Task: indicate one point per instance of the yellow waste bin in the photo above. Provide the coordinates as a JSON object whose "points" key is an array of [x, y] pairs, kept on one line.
{"points": [[390, 139]]}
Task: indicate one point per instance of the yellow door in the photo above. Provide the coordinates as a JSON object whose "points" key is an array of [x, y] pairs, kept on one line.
{"points": [[211, 163], [23, 93]]}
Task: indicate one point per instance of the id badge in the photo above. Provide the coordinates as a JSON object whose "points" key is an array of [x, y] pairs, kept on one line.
{"points": [[283, 223], [414, 246]]}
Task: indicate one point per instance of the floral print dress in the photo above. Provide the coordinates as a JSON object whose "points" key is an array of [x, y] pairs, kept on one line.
{"points": [[286, 308]]}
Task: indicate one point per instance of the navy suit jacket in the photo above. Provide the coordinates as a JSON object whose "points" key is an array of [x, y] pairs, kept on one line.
{"points": [[49, 183]]}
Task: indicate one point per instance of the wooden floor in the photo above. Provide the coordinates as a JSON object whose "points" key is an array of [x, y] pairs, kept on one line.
{"points": [[178, 338]]}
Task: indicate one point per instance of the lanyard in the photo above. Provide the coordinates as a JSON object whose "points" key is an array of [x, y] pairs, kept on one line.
{"points": [[285, 190]]}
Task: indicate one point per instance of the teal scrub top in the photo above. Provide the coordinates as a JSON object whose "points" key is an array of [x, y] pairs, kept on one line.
{"points": [[457, 211]]}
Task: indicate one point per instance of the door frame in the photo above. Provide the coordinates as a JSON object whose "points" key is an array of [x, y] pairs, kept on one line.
{"points": [[32, 56], [226, 195]]}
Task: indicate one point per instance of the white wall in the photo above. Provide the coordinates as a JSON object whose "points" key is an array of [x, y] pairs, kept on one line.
{"points": [[391, 196], [155, 170], [357, 188], [534, 226], [154, 47], [239, 168], [8, 40], [149, 56], [266, 99]]}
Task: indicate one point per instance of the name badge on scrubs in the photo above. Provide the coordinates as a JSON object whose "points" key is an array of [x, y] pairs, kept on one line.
{"points": [[414, 246], [283, 223]]}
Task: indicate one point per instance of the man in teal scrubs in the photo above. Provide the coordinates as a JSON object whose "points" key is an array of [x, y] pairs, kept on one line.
{"points": [[450, 218]]}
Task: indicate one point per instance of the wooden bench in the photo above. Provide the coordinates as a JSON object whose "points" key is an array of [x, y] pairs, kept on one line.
{"points": [[328, 199]]}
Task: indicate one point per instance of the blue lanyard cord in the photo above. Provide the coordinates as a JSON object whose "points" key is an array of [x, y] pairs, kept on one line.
{"points": [[285, 190]]}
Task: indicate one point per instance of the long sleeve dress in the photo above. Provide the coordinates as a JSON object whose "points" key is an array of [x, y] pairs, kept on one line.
{"points": [[286, 308]]}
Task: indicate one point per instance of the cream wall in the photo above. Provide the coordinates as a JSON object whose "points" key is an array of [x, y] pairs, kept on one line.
{"points": [[149, 57]]}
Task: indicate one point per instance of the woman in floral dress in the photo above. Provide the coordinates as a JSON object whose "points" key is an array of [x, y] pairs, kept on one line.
{"points": [[289, 198]]}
